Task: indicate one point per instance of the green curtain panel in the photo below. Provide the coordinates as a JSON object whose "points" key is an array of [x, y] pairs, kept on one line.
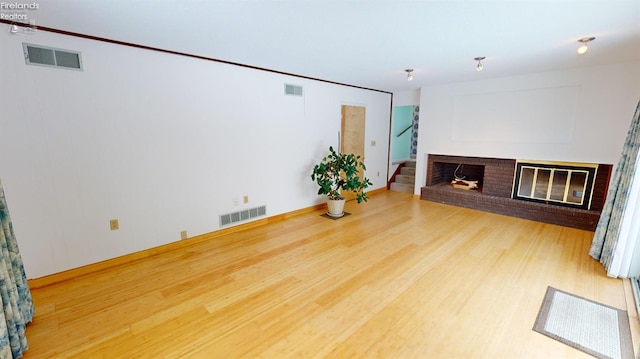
{"points": [[607, 233], [17, 305]]}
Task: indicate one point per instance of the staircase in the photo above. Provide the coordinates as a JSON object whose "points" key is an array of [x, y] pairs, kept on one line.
{"points": [[405, 180]]}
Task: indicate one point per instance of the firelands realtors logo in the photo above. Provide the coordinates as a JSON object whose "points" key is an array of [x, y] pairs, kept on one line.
{"points": [[16, 11]]}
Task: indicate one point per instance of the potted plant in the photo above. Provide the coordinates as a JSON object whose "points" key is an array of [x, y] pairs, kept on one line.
{"points": [[336, 172]]}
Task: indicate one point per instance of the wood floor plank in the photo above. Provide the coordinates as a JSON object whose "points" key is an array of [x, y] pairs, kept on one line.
{"points": [[398, 278]]}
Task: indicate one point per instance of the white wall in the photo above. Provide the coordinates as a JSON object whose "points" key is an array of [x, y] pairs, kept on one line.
{"points": [[406, 98], [163, 143], [591, 110]]}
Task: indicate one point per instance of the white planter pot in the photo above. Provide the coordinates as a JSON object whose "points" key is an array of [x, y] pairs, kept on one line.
{"points": [[336, 207]]}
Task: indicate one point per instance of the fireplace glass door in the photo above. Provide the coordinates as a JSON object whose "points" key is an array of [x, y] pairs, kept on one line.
{"points": [[552, 183]]}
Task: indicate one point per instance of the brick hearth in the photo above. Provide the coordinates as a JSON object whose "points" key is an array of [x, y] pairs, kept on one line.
{"points": [[494, 194]]}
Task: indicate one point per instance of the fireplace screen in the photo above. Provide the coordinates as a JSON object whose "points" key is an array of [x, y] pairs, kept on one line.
{"points": [[561, 183]]}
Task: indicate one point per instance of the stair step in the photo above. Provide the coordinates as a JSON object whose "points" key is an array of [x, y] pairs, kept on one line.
{"points": [[402, 187], [409, 171], [405, 179], [411, 164]]}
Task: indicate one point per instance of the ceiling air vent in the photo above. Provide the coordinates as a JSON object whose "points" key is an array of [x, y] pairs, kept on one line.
{"points": [[51, 57], [293, 90]]}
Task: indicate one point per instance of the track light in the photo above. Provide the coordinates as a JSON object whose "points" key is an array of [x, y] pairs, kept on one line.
{"points": [[409, 74], [584, 47], [479, 66]]}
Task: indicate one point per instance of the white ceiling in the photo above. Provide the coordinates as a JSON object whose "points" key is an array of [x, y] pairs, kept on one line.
{"points": [[368, 43]]}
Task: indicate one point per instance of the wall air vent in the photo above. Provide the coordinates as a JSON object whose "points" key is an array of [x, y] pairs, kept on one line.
{"points": [[51, 57], [293, 90], [230, 218]]}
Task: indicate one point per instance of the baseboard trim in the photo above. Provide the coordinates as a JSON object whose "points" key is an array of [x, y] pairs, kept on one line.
{"points": [[146, 253], [150, 252]]}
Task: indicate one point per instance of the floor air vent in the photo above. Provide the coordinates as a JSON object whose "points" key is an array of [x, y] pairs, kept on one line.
{"points": [[230, 218]]}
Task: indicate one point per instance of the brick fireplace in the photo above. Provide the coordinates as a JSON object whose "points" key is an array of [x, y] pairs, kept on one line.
{"points": [[495, 178]]}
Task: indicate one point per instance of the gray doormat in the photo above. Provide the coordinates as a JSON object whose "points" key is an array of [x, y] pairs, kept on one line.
{"points": [[596, 329]]}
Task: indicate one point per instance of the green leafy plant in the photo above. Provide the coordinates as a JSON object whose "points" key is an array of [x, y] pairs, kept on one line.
{"points": [[339, 171]]}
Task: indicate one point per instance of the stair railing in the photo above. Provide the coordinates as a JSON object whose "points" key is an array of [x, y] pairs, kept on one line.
{"points": [[403, 131]]}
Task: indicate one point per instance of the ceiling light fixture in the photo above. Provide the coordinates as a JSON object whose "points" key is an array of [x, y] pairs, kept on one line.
{"points": [[584, 47], [409, 74], [479, 66]]}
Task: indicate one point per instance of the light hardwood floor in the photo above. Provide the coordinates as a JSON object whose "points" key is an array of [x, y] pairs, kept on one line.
{"points": [[399, 278]]}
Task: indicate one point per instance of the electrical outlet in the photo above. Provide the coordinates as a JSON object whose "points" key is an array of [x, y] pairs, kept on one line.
{"points": [[183, 235], [114, 225], [236, 201], [246, 199]]}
